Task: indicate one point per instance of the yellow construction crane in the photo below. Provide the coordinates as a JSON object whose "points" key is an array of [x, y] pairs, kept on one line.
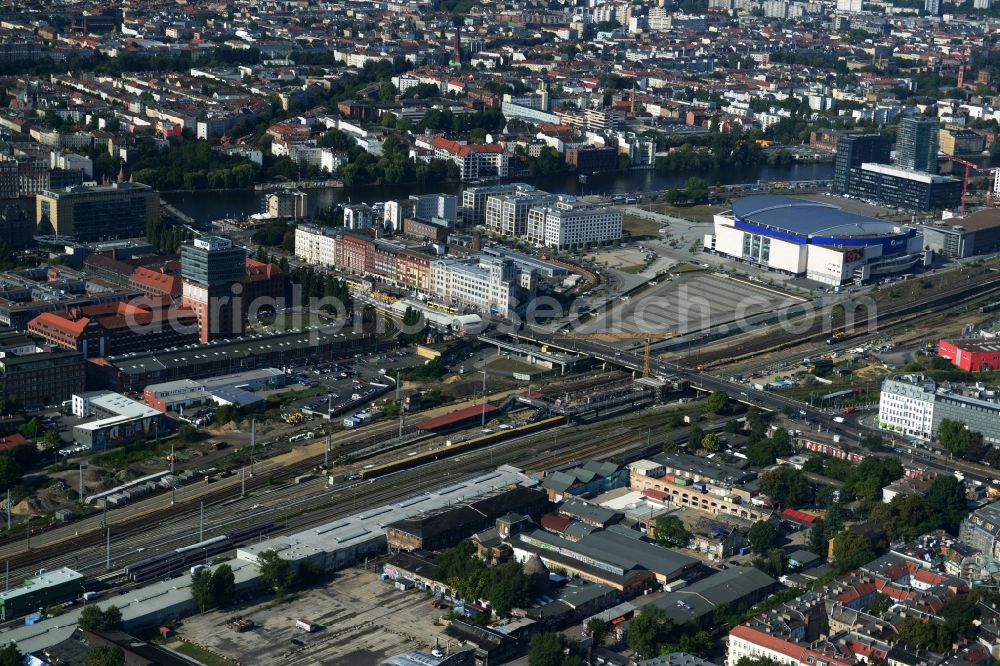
{"points": [[647, 339]]}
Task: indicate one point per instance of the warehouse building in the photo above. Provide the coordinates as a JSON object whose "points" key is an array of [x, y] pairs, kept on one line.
{"points": [[180, 394], [960, 237], [120, 421], [814, 239], [735, 589], [613, 558], [40, 592], [135, 372], [443, 529], [971, 355], [350, 539]]}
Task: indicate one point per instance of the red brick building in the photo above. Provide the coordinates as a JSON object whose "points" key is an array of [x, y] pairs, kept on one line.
{"points": [[154, 282], [118, 328]]}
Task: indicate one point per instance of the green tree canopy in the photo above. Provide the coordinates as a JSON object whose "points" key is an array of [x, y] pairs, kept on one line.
{"points": [[275, 573], [717, 402], [11, 656], [201, 589], [92, 618], [786, 486], [762, 537], [223, 586], [648, 631], [851, 550], [104, 655], [670, 531]]}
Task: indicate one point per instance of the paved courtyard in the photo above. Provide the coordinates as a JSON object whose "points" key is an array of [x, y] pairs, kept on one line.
{"points": [[363, 621]]}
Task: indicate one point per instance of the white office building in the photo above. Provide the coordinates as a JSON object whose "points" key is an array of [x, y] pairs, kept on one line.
{"points": [[907, 408], [314, 244], [485, 283], [568, 222], [508, 214], [358, 217], [430, 206]]}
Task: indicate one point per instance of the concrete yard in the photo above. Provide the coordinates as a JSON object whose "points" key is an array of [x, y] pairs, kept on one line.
{"points": [[688, 303], [362, 620]]}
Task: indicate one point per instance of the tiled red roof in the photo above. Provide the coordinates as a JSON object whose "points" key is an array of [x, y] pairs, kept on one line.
{"points": [[53, 321], [555, 522], [12, 441]]}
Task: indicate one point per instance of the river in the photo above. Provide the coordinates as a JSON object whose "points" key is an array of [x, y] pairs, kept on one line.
{"points": [[206, 206]]}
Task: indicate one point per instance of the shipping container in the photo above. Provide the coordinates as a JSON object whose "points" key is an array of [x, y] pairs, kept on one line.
{"points": [[681, 481]]}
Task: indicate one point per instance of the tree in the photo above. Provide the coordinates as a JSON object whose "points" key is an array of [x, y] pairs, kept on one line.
{"points": [[104, 655], [648, 630], [201, 589], [598, 630], [762, 537], [879, 604], [695, 437], [817, 539], [275, 573], [670, 531], [946, 502], [11, 656], [223, 586], [786, 486], [546, 649], [92, 618], [695, 189], [696, 643], [710, 442], [959, 440], [867, 478], [851, 550], [717, 402]]}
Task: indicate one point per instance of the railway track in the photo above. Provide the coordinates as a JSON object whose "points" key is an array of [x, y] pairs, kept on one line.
{"points": [[976, 288], [92, 535]]}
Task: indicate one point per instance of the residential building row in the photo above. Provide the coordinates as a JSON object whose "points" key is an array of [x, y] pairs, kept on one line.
{"points": [[477, 281]]}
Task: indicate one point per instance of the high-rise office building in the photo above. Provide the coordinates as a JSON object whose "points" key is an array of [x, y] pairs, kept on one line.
{"points": [[853, 150], [933, 7], [120, 210], [210, 267], [917, 144]]}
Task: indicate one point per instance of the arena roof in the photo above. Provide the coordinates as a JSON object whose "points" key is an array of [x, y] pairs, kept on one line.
{"points": [[805, 217]]}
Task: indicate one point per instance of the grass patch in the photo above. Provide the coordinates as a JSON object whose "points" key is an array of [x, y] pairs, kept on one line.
{"points": [[698, 213], [430, 371], [513, 365], [129, 454], [638, 227], [297, 394], [203, 656], [634, 269], [686, 268]]}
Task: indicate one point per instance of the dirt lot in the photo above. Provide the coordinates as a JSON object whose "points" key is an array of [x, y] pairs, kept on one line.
{"points": [[363, 621], [622, 258]]}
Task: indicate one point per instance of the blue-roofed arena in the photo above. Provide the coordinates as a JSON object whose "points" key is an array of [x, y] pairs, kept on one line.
{"points": [[814, 239]]}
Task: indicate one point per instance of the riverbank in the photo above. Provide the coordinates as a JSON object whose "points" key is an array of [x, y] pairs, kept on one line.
{"points": [[241, 203], [271, 186]]}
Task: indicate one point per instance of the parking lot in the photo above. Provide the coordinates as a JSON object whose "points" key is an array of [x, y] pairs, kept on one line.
{"points": [[361, 620], [687, 303], [335, 384]]}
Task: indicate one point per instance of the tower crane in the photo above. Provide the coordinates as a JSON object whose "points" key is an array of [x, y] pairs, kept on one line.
{"points": [[969, 168], [647, 339]]}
